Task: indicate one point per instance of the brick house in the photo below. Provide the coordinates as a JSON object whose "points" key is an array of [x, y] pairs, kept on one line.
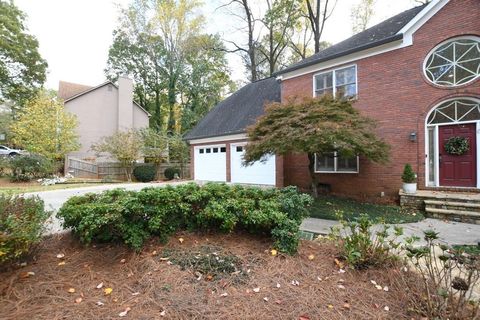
{"points": [[416, 73]]}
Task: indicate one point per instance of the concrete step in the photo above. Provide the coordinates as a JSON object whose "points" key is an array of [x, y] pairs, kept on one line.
{"points": [[453, 205], [455, 215]]}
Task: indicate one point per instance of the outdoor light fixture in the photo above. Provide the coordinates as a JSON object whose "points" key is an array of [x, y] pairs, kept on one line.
{"points": [[413, 136]]}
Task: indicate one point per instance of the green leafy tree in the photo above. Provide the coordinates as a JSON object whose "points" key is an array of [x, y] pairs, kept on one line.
{"points": [[179, 151], [125, 146], [22, 69], [204, 81], [314, 125], [44, 127], [177, 72]]}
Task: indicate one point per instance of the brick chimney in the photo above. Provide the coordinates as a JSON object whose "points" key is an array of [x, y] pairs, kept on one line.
{"points": [[125, 103]]}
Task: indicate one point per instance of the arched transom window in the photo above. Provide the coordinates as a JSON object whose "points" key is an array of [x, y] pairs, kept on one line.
{"points": [[454, 62], [454, 111]]}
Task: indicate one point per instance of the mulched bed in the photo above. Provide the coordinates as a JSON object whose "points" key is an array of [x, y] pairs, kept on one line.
{"points": [[204, 277]]}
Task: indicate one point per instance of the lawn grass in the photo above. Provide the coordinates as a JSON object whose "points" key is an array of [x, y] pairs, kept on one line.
{"points": [[326, 207], [6, 186], [470, 249]]}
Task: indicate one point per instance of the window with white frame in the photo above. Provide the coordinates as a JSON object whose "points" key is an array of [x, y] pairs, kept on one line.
{"points": [[339, 83], [454, 62], [335, 163]]}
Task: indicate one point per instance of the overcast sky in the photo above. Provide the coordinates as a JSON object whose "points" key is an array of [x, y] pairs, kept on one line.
{"points": [[75, 35]]}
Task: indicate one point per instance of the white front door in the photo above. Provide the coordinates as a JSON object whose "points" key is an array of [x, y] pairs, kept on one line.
{"points": [[210, 163], [258, 173]]}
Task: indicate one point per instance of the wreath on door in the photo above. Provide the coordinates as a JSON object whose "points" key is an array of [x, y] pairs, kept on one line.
{"points": [[457, 146]]}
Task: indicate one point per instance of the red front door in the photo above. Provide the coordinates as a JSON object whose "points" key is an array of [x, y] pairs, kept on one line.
{"points": [[458, 170]]}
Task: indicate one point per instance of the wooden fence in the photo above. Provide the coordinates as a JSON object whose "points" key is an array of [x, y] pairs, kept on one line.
{"points": [[108, 170]]}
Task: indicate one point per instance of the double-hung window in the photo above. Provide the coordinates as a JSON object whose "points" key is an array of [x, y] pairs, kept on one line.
{"points": [[334, 163], [340, 83]]}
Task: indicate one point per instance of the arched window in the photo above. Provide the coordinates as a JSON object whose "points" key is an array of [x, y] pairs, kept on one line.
{"points": [[454, 111], [454, 62]]}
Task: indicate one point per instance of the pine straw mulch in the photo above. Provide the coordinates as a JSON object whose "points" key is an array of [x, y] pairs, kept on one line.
{"points": [[156, 288]]}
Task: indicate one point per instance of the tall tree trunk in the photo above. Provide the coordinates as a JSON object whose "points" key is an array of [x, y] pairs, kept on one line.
{"points": [[251, 42], [313, 176], [171, 105]]}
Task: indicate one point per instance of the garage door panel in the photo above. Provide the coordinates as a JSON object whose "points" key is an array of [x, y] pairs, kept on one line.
{"points": [[258, 173], [210, 163]]}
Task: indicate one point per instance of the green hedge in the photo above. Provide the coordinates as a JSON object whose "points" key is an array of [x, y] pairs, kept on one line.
{"points": [[21, 225], [145, 172], [133, 217]]}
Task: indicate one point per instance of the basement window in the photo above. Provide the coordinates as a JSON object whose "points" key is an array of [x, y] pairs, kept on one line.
{"points": [[335, 163]]}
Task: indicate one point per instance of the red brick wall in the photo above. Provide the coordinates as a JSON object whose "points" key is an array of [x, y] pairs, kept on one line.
{"points": [[393, 90]]}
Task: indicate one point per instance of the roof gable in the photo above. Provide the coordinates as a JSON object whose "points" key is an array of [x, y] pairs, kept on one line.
{"points": [[234, 114], [89, 89], [67, 90], [382, 33]]}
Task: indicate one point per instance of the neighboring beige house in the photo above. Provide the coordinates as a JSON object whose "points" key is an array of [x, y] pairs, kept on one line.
{"points": [[101, 111]]}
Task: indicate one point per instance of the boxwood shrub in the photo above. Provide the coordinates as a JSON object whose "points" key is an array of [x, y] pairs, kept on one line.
{"points": [[170, 172], [145, 172], [21, 225], [133, 217]]}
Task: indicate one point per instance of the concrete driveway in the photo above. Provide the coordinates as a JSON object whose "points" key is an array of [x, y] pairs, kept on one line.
{"points": [[54, 199]]}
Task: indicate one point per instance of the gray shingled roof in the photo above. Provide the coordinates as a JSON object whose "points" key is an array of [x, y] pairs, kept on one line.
{"points": [[234, 114], [384, 32]]}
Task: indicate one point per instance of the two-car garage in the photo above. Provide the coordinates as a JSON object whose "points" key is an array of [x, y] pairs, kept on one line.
{"points": [[210, 164]]}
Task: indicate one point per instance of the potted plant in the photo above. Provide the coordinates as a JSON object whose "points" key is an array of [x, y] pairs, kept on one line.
{"points": [[409, 179]]}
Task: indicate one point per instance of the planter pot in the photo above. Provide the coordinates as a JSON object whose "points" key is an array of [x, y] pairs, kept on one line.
{"points": [[410, 187]]}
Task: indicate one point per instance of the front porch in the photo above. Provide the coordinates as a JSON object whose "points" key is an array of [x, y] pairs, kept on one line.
{"points": [[449, 205]]}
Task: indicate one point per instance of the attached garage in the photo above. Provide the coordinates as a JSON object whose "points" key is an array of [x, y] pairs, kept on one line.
{"points": [[258, 173], [210, 163], [217, 141]]}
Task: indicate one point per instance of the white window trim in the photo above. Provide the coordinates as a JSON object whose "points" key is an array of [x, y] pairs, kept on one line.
{"points": [[334, 79], [437, 160], [335, 165], [427, 57]]}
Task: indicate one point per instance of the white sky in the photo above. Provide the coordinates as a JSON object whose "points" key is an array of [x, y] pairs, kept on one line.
{"points": [[75, 35]]}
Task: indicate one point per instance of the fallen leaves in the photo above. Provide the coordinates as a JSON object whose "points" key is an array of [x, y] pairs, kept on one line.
{"points": [[181, 240], [295, 283], [78, 300], [107, 291], [27, 274], [60, 255], [256, 290], [100, 285], [311, 257], [61, 263], [71, 290], [273, 252], [125, 312]]}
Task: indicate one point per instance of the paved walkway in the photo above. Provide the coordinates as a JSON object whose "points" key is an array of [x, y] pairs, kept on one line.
{"points": [[450, 232], [54, 199]]}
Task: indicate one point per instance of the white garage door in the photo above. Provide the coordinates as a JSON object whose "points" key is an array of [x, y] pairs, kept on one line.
{"points": [[258, 173], [210, 163]]}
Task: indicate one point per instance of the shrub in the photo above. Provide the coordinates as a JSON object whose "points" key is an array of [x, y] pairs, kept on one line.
{"points": [[132, 217], [170, 172], [145, 173], [21, 225], [28, 167], [361, 246], [449, 278], [4, 165], [408, 175]]}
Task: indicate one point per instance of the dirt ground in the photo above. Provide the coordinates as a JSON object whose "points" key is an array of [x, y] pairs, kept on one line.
{"points": [[173, 281]]}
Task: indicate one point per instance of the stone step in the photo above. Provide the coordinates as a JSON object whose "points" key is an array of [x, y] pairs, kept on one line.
{"points": [[453, 205], [455, 215]]}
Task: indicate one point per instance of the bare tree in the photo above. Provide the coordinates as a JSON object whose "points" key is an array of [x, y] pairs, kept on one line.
{"points": [[361, 15], [318, 12], [248, 51]]}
